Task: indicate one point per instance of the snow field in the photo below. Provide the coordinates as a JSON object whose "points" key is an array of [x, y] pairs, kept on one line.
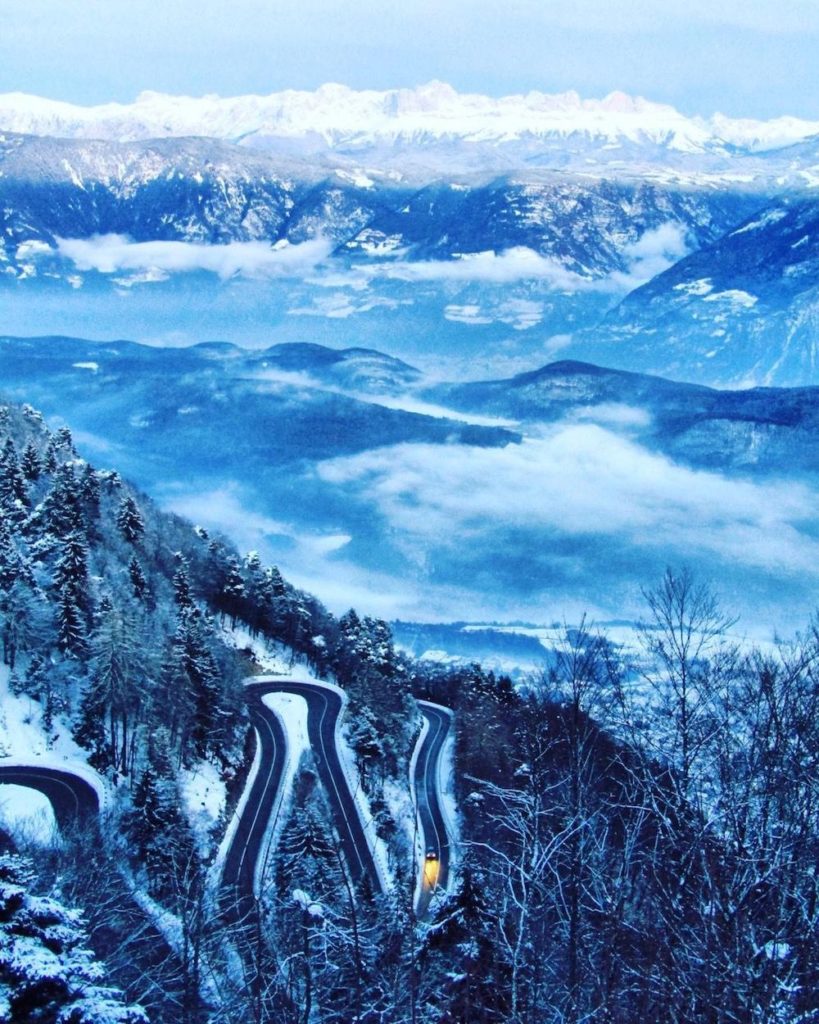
{"points": [[203, 795], [23, 743]]}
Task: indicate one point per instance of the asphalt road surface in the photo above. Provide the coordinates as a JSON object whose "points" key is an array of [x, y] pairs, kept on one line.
{"points": [[74, 800], [324, 707], [246, 846], [435, 864]]}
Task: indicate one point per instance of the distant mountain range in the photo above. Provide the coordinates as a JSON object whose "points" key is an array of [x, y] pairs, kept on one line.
{"points": [[411, 126], [764, 430], [207, 191], [244, 413], [618, 232], [551, 489]]}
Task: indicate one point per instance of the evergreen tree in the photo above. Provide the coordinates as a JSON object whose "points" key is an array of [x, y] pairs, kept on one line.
{"points": [[137, 577], [47, 973], [195, 659], [233, 589], [90, 493], [70, 575], [117, 679], [10, 561], [71, 627], [258, 592], [63, 441], [90, 731], [13, 488], [61, 509], [182, 583], [30, 463], [25, 619], [474, 990], [50, 462], [129, 520], [158, 827]]}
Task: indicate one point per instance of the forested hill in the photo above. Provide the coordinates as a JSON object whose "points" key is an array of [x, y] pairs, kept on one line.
{"points": [[135, 630], [113, 611], [635, 837]]}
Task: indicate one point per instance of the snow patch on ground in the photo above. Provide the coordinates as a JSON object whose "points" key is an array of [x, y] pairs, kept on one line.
{"points": [[23, 740], [204, 795], [769, 217], [291, 710], [701, 287], [735, 296], [28, 814], [272, 658]]}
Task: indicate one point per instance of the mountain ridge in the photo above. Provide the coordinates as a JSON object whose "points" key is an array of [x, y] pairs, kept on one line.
{"points": [[340, 113]]}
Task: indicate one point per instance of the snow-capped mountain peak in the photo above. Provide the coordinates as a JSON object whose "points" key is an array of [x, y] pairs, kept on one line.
{"points": [[435, 111]]}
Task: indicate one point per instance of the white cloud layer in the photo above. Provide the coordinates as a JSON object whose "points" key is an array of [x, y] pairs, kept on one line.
{"points": [[518, 263], [581, 480], [651, 254], [111, 254], [146, 262]]}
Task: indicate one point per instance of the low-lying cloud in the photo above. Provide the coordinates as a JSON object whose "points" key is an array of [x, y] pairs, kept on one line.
{"points": [[149, 262], [518, 263], [111, 254], [579, 481], [654, 252]]}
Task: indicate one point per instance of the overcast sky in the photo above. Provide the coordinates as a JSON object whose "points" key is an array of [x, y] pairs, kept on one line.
{"points": [[752, 58]]}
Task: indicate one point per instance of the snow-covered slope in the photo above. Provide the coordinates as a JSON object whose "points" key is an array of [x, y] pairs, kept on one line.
{"points": [[210, 191], [341, 116], [741, 310]]}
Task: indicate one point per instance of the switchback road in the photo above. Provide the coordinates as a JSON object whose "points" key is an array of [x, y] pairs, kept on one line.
{"points": [[324, 706], [436, 851]]}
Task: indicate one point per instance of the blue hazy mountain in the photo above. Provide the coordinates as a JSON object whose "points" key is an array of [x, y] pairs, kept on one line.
{"points": [[558, 489], [768, 430], [743, 309]]}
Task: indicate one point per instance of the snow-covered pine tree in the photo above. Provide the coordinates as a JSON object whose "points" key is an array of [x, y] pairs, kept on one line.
{"points": [[139, 583], [30, 463], [13, 485], [47, 973], [70, 574], [182, 582], [129, 520], [233, 589], [194, 657], [61, 510], [72, 637]]}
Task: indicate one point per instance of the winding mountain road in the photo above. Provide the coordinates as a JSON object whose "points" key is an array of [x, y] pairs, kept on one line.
{"points": [[74, 800], [247, 843], [434, 868], [247, 846]]}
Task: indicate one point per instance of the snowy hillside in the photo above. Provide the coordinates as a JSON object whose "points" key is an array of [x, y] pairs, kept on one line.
{"points": [[207, 192], [743, 310]]}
